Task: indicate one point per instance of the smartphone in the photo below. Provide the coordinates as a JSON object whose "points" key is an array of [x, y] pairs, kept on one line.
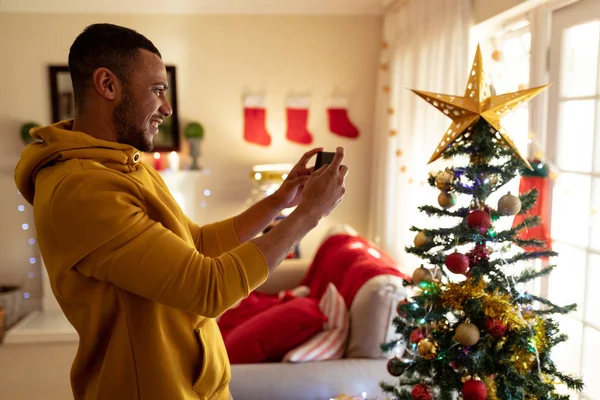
{"points": [[323, 157]]}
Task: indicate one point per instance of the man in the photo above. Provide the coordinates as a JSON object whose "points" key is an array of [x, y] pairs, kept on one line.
{"points": [[138, 280]]}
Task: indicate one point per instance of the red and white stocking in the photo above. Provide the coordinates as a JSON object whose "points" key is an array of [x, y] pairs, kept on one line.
{"points": [[339, 122], [297, 120], [255, 130]]}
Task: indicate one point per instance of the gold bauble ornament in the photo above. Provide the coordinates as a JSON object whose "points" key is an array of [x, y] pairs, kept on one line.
{"points": [[421, 239], [477, 103], [428, 349], [422, 274], [467, 334], [446, 199], [444, 180], [509, 204]]}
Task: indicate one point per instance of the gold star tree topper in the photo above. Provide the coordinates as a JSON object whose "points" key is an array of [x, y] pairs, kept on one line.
{"points": [[477, 103]]}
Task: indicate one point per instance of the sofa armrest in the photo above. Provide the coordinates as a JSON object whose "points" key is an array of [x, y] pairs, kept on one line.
{"points": [[371, 316], [287, 275], [320, 380]]}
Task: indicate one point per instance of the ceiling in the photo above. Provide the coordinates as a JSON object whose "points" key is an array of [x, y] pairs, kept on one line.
{"points": [[341, 7]]}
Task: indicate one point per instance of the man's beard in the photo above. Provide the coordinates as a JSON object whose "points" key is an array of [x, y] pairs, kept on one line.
{"points": [[127, 132]]}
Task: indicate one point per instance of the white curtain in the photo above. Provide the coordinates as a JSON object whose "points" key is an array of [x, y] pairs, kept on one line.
{"points": [[426, 47]]}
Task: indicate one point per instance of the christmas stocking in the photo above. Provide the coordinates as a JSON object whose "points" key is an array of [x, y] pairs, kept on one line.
{"points": [[536, 179], [297, 120], [255, 130], [339, 123]]}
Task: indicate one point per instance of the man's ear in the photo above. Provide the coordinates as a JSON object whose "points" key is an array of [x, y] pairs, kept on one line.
{"points": [[106, 84]]}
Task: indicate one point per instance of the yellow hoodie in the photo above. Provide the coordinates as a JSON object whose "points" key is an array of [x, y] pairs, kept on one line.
{"points": [[138, 280]]}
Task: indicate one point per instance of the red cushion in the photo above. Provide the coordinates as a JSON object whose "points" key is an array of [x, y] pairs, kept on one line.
{"points": [[255, 303], [269, 335]]}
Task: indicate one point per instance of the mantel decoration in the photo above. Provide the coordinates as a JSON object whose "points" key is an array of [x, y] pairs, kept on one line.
{"points": [[194, 133], [24, 132]]}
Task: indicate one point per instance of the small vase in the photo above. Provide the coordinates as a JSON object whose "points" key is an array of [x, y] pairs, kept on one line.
{"points": [[195, 152]]}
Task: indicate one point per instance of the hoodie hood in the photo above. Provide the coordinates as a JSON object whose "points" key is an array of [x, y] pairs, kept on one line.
{"points": [[58, 143]]}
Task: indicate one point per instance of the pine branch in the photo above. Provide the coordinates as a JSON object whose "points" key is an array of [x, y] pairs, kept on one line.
{"points": [[440, 212], [531, 273], [572, 382], [529, 298], [509, 234], [529, 243], [528, 200], [528, 255]]}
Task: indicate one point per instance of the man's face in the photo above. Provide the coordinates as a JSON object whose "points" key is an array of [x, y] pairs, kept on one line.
{"points": [[143, 104]]}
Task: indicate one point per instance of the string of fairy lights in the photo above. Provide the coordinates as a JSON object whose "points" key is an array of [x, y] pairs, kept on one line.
{"points": [[31, 241]]}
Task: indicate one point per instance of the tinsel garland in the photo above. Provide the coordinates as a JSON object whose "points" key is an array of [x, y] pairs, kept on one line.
{"points": [[541, 337], [495, 305], [490, 385], [523, 359]]}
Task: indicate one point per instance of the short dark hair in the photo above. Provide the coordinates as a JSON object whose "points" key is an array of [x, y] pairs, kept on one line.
{"points": [[104, 45]]}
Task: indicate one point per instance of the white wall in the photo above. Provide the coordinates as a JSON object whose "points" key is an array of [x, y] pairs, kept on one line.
{"points": [[218, 59], [485, 9]]}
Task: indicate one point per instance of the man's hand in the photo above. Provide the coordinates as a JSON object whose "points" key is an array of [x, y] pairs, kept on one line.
{"points": [[289, 193], [325, 189]]}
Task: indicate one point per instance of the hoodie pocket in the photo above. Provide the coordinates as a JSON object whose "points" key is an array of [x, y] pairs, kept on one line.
{"points": [[216, 373]]}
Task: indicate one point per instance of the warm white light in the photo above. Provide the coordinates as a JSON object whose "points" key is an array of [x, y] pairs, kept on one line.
{"points": [[25, 227], [21, 208], [156, 156], [258, 176], [374, 253], [206, 192], [357, 245], [272, 167], [174, 161]]}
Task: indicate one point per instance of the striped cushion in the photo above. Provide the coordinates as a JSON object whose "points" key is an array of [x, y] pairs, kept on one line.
{"points": [[331, 343]]}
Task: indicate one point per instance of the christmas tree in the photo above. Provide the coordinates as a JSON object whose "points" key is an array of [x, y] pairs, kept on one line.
{"points": [[468, 329]]}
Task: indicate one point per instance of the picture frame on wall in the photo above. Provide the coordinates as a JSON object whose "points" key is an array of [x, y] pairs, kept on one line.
{"points": [[62, 104]]}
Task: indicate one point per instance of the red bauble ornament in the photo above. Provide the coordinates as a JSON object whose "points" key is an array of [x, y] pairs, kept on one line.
{"points": [[417, 335], [457, 263], [399, 307], [421, 392], [396, 366], [495, 327], [474, 390], [479, 219]]}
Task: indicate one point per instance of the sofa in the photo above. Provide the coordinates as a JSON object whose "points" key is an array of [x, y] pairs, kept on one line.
{"points": [[363, 366]]}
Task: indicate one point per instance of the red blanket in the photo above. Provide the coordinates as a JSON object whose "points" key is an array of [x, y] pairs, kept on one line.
{"points": [[347, 261]]}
